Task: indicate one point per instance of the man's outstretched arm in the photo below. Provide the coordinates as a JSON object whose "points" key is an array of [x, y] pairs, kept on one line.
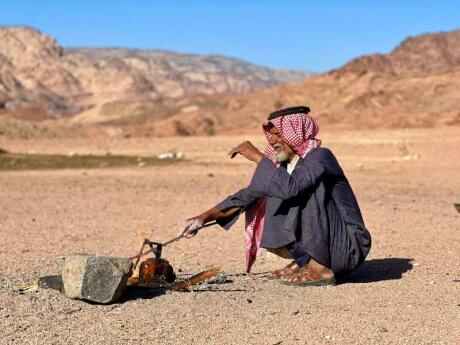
{"points": [[225, 213]]}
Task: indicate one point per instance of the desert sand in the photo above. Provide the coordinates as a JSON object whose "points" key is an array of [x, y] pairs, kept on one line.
{"points": [[407, 292]]}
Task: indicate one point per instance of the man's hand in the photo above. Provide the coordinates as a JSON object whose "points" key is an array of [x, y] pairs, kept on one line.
{"points": [[191, 226], [247, 150]]}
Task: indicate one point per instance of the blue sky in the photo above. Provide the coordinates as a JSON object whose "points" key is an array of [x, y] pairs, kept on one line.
{"points": [[309, 35]]}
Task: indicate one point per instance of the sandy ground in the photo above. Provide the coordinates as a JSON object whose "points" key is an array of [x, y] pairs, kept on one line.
{"points": [[408, 291]]}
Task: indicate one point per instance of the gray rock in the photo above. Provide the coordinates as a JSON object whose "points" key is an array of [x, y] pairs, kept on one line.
{"points": [[95, 278], [51, 282]]}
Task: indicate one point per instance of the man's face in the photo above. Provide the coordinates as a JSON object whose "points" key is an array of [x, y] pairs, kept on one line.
{"points": [[283, 153]]}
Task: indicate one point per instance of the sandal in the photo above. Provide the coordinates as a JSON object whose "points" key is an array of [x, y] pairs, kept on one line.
{"points": [[307, 277], [290, 269]]}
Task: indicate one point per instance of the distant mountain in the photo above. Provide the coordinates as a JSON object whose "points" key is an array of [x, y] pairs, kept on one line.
{"points": [[419, 56], [155, 93], [39, 79], [416, 85], [184, 65]]}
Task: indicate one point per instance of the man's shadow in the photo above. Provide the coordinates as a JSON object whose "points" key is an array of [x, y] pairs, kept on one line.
{"points": [[376, 270]]}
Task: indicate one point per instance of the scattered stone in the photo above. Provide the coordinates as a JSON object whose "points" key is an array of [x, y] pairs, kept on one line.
{"points": [[296, 312], [95, 278], [249, 300], [51, 282], [411, 157], [27, 289], [220, 278], [171, 155], [71, 311]]}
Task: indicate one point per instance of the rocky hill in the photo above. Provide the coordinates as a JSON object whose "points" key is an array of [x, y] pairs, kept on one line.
{"points": [[419, 56], [416, 85], [39, 79]]}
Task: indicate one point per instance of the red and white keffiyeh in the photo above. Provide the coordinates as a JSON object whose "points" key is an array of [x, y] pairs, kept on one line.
{"points": [[299, 132]]}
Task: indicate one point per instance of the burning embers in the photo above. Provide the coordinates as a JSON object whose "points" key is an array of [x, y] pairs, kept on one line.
{"points": [[157, 272]]}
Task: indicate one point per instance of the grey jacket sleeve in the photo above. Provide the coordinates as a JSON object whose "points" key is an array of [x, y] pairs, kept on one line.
{"points": [[271, 181], [243, 198]]}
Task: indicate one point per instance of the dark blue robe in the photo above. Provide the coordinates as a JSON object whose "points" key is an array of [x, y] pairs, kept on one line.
{"points": [[313, 211]]}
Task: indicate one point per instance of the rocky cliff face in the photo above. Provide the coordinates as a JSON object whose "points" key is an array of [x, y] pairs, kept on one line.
{"points": [[39, 79], [31, 76], [174, 75]]}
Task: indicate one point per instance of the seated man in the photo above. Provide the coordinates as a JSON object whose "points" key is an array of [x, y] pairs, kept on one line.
{"points": [[298, 204]]}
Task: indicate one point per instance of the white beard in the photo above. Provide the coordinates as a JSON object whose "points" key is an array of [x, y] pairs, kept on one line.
{"points": [[281, 156]]}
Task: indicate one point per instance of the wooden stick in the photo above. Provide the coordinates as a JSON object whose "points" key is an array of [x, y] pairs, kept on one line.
{"points": [[194, 280]]}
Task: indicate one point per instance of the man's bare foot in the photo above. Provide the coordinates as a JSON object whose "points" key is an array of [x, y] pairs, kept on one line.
{"points": [[317, 269], [290, 269], [313, 274]]}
